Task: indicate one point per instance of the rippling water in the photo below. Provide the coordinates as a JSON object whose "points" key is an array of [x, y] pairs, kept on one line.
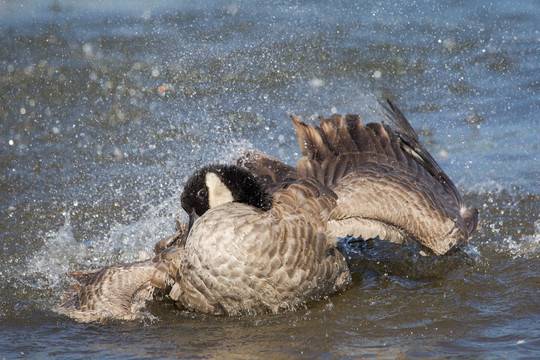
{"points": [[106, 109]]}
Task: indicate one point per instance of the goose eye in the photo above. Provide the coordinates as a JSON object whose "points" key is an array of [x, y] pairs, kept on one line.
{"points": [[202, 193]]}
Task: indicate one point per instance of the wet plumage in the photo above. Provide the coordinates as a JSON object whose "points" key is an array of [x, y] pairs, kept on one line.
{"points": [[263, 235]]}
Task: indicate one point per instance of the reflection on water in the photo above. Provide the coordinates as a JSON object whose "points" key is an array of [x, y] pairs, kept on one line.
{"points": [[106, 110]]}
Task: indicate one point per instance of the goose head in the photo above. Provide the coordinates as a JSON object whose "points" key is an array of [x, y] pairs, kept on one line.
{"points": [[215, 185]]}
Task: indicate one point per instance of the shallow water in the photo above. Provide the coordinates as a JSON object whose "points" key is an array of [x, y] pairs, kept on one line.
{"points": [[105, 111]]}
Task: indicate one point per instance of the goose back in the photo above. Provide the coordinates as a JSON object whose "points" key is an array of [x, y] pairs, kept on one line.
{"points": [[262, 261]]}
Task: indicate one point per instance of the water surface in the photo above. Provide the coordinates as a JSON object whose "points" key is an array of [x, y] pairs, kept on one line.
{"points": [[105, 110]]}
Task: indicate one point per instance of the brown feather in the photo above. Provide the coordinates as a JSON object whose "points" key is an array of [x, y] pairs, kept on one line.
{"points": [[371, 181], [282, 258]]}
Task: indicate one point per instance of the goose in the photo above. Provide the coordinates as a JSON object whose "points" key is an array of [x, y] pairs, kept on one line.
{"points": [[263, 236]]}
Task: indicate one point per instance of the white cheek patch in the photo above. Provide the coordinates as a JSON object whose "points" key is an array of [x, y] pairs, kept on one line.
{"points": [[218, 193]]}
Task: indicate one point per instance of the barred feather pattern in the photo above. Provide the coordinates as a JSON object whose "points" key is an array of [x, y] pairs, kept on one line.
{"points": [[387, 184], [262, 261], [372, 181]]}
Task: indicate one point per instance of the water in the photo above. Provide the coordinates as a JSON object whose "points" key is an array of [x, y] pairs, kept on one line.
{"points": [[106, 109]]}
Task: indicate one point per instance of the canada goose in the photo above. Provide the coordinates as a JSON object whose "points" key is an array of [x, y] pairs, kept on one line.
{"points": [[256, 257], [262, 235]]}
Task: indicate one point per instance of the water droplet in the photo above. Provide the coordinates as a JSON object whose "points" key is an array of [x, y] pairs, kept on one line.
{"points": [[87, 49], [316, 83]]}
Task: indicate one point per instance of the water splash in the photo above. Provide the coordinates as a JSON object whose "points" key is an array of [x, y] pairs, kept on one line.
{"points": [[234, 149], [47, 268], [58, 253], [528, 246]]}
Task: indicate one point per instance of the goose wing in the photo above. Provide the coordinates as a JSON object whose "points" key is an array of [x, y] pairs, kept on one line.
{"points": [[412, 145], [121, 291], [396, 191], [339, 146], [115, 292], [386, 178]]}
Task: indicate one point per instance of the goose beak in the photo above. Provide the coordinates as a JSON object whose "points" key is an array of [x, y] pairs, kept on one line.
{"points": [[192, 218]]}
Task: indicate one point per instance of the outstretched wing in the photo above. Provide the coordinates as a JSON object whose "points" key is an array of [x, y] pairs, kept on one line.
{"points": [[114, 292], [121, 291], [386, 157]]}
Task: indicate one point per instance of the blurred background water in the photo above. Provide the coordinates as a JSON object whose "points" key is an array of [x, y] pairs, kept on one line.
{"points": [[107, 108]]}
